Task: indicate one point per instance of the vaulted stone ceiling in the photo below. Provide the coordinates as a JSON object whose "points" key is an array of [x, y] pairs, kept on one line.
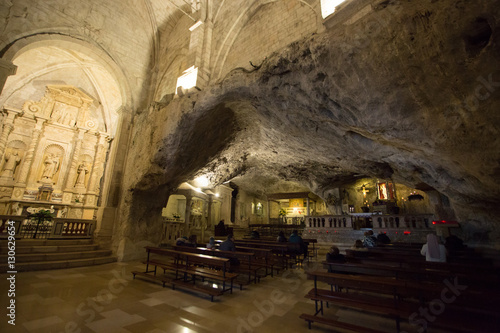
{"points": [[416, 101]]}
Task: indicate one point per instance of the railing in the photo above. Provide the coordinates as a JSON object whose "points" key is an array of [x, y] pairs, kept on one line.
{"points": [[369, 220], [57, 228]]}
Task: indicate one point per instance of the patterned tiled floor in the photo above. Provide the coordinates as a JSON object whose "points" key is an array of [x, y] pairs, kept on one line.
{"points": [[105, 299]]}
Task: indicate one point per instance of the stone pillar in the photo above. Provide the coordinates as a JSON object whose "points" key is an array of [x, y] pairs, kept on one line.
{"points": [[6, 68], [8, 127], [98, 167], [268, 207], [308, 207], [74, 161], [209, 210], [28, 159], [225, 198], [187, 214]]}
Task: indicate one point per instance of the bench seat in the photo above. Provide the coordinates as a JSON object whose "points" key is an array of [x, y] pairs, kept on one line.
{"points": [[339, 324]]}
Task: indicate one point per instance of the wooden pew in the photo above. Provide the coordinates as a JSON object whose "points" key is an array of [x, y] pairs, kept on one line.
{"points": [[183, 265], [285, 252], [366, 257], [458, 317], [246, 260], [432, 272], [263, 258]]}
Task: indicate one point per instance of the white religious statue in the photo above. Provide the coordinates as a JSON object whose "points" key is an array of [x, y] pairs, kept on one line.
{"points": [[82, 172], [51, 166], [63, 212], [16, 209], [11, 162]]}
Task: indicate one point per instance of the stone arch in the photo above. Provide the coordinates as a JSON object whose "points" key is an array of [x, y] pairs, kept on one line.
{"points": [[162, 80], [26, 42], [235, 30], [233, 33]]}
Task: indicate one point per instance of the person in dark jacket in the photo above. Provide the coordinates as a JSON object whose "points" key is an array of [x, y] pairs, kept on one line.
{"points": [[281, 237], [228, 244], [334, 255], [383, 238]]}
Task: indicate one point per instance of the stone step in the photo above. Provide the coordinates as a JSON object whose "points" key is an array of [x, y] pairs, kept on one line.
{"points": [[36, 257], [48, 242], [51, 248], [44, 265]]}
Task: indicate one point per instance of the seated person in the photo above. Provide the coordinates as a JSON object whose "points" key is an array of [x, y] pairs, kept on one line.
{"points": [[368, 241], [334, 255], [192, 241], [358, 246], [228, 245], [296, 239], [281, 237], [211, 243], [432, 250], [382, 238], [181, 241], [255, 234], [454, 244]]}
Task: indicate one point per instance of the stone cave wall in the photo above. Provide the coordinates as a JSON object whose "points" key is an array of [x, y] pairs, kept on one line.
{"points": [[394, 101]]}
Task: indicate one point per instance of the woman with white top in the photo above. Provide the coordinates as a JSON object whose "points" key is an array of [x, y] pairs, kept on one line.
{"points": [[432, 250]]}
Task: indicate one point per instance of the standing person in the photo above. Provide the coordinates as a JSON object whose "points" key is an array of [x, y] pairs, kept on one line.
{"points": [[220, 228], [432, 250]]}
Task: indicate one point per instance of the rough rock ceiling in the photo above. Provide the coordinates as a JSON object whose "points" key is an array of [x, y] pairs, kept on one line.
{"points": [[396, 102]]}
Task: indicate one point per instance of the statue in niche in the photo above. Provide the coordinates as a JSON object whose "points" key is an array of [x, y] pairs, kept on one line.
{"points": [[82, 172], [51, 166], [11, 162]]}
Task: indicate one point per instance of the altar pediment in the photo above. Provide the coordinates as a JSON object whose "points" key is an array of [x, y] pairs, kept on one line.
{"points": [[64, 105], [69, 95]]}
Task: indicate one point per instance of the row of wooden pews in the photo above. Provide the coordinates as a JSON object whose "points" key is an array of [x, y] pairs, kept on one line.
{"points": [[187, 270], [248, 264], [425, 296]]}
